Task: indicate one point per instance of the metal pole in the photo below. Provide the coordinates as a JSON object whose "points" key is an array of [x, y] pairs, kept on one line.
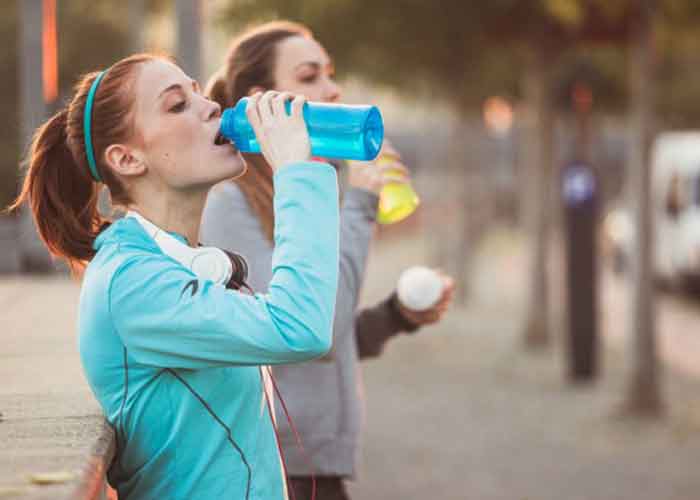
{"points": [[33, 109], [189, 36]]}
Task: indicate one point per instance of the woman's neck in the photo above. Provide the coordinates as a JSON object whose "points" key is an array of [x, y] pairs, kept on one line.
{"points": [[178, 213]]}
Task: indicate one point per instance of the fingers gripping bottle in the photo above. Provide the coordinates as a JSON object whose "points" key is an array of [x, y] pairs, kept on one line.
{"points": [[343, 131], [396, 200]]}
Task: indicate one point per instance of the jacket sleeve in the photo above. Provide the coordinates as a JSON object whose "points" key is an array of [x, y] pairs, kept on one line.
{"points": [[357, 223], [168, 317], [376, 325]]}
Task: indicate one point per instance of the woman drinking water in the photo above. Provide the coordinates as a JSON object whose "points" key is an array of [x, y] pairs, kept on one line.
{"points": [[174, 348]]}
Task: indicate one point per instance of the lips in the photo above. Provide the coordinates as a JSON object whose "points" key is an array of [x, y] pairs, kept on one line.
{"points": [[220, 140]]}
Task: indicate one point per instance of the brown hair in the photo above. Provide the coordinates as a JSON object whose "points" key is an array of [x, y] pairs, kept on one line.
{"points": [[250, 63], [58, 185]]}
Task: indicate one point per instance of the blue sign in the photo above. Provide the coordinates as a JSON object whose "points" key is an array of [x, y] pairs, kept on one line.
{"points": [[579, 184]]}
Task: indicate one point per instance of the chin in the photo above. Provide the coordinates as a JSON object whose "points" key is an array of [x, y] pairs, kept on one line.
{"points": [[241, 171], [241, 168], [234, 168]]}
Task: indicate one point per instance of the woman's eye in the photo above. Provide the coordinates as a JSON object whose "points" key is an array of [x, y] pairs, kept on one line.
{"points": [[180, 106], [309, 79]]}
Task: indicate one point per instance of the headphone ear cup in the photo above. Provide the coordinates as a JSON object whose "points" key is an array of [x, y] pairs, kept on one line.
{"points": [[213, 263], [209, 263]]}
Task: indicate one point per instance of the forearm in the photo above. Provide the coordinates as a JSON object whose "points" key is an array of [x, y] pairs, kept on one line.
{"points": [[374, 326], [163, 320], [305, 259]]}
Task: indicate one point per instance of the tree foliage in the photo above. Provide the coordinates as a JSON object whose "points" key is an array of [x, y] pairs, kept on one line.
{"points": [[464, 51]]}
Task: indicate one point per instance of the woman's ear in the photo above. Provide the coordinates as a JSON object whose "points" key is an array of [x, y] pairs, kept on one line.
{"points": [[124, 160], [255, 89]]}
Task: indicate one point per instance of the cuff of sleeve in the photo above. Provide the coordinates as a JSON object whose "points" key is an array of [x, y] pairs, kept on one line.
{"points": [[303, 167], [404, 324]]}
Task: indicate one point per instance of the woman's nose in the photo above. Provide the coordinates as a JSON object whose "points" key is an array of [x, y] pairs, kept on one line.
{"points": [[332, 93], [214, 110]]}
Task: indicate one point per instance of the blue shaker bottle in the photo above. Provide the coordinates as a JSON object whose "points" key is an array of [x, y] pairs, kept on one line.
{"points": [[336, 130]]}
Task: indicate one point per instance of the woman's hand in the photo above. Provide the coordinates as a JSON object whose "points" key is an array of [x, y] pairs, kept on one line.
{"points": [[283, 138], [373, 175], [435, 313]]}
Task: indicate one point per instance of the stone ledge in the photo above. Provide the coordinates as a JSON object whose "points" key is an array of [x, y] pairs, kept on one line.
{"points": [[70, 453], [93, 485]]}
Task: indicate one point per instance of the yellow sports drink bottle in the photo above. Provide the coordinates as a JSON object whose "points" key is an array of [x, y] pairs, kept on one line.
{"points": [[396, 200]]}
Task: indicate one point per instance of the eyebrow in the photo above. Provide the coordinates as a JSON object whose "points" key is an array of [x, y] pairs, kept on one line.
{"points": [[177, 86], [315, 64]]}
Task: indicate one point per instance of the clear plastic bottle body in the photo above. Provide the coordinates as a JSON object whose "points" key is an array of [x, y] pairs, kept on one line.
{"points": [[343, 131]]}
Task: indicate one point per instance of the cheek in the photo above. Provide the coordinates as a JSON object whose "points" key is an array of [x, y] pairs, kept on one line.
{"points": [[293, 85], [162, 152], [315, 92], [312, 91], [172, 141], [171, 155]]}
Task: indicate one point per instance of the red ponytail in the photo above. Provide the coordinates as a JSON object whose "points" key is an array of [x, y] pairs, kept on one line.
{"points": [[62, 197], [58, 186]]}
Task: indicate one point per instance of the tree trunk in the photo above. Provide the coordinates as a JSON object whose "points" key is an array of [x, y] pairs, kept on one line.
{"points": [[33, 110], [539, 158], [643, 391], [189, 36], [137, 22], [464, 175]]}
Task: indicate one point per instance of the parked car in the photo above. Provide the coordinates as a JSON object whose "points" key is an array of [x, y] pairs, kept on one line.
{"points": [[675, 191]]}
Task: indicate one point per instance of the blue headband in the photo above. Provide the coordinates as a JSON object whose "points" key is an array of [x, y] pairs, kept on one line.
{"points": [[87, 127]]}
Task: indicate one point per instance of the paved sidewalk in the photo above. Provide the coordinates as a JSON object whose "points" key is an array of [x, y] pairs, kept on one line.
{"points": [[49, 418]]}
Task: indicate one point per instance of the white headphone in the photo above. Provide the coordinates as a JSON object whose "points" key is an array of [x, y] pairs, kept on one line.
{"points": [[209, 263]]}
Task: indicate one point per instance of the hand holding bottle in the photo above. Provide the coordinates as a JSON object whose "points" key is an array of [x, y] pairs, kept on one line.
{"points": [[397, 198], [373, 175], [283, 138]]}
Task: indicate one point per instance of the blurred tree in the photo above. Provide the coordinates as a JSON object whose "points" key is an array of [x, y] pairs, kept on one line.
{"points": [[137, 24], [9, 97], [643, 393], [188, 14]]}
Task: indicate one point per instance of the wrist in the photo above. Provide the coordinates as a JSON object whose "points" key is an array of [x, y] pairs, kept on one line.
{"points": [[362, 183], [397, 312]]}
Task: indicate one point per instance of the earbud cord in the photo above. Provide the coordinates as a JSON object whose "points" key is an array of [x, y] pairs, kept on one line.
{"points": [[297, 437]]}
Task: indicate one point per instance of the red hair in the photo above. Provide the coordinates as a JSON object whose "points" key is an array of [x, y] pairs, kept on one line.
{"points": [[58, 186]]}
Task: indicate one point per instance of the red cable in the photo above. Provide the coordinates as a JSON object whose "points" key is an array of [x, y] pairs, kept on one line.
{"points": [[297, 437]]}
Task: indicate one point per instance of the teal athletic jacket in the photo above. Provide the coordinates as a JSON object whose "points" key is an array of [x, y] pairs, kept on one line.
{"points": [[176, 362]]}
